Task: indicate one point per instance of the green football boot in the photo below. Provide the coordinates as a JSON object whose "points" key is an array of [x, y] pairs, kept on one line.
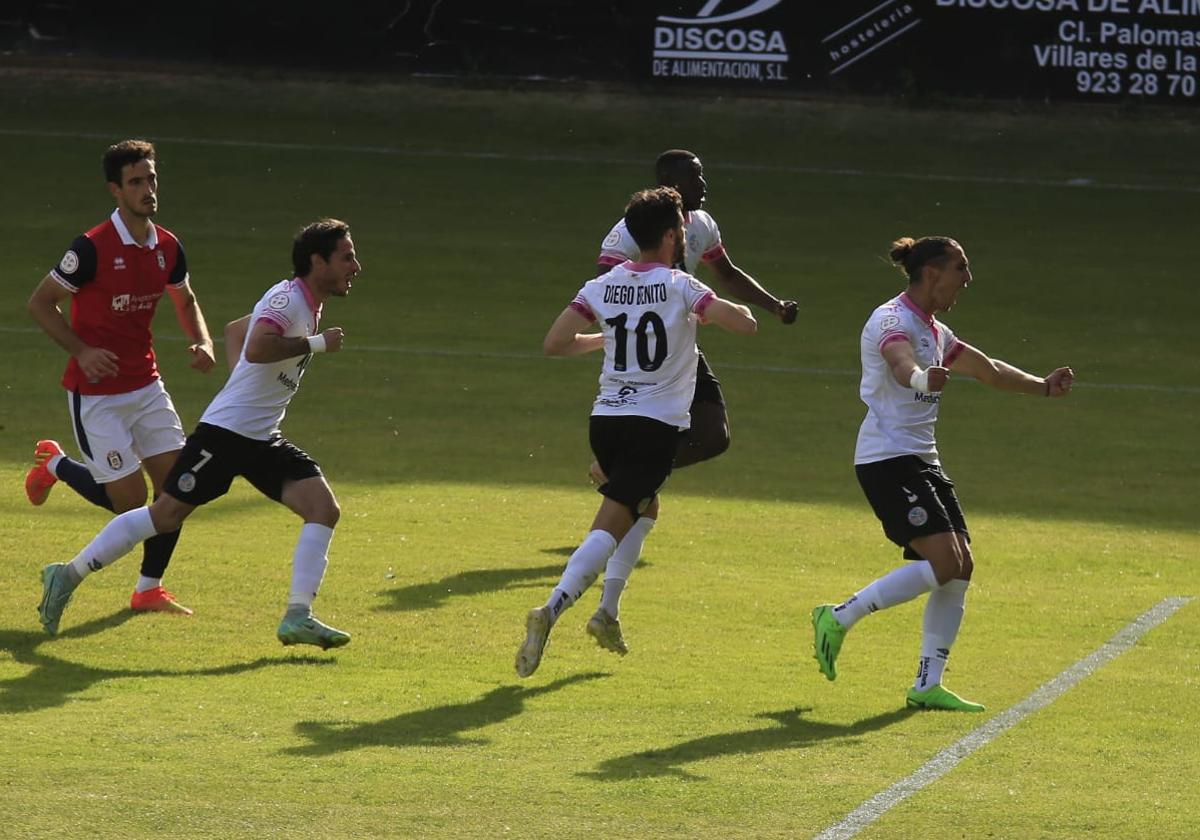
{"points": [[57, 588], [606, 630], [301, 627], [940, 697], [827, 639]]}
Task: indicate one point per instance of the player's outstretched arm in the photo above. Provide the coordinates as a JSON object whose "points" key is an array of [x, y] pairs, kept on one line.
{"points": [[745, 288], [191, 320], [267, 344], [565, 339], [1006, 377], [731, 316], [95, 362]]}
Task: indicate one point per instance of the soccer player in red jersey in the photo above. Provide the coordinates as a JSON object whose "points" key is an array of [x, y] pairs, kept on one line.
{"points": [[123, 418]]}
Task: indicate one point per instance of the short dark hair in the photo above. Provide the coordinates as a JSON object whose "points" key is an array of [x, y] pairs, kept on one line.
{"points": [[120, 155], [670, 162], [911, 255], [321, 237], [651, 213]]}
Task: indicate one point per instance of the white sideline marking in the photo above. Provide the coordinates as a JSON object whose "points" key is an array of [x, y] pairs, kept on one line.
{"points": [[393, 151], [945, 761], [804, 371]]}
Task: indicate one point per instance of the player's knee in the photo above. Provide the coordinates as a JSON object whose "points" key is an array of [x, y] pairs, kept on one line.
{"points": [[968, 563], [325, 511]]}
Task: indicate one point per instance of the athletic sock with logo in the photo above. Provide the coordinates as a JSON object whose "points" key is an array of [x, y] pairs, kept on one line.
{"points": [[308, 563], [943, 617], [582, 570], [896, 587], [621, 565], [116, 540]]}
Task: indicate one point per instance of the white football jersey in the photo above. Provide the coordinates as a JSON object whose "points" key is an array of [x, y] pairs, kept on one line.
{"points": [[648, 314], [900, 420], [256, 396], [703, 242]]}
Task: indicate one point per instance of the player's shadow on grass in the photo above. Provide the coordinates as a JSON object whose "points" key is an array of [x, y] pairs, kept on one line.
{"points": [[441, 726], [791, 732], [52, 681], [428, 596]]}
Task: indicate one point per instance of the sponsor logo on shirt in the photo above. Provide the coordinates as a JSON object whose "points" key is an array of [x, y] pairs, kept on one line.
{"points": [[69, 263], [119, 264], [279, 301], [162, 261], [133, 303], [610, 241], [187, 483]]}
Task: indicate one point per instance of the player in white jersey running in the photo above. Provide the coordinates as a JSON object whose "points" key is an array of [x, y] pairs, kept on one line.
{"points": [[647, 313], [708, 435], [238, 435], [907, 358]]}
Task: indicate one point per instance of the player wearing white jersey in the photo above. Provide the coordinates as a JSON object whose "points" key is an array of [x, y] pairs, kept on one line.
{"points": [[907, 357], [238, 435], [708, 436], [647, 313]]}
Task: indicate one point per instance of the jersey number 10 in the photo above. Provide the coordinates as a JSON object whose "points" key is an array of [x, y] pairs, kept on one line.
{"points": [[648, 321]]}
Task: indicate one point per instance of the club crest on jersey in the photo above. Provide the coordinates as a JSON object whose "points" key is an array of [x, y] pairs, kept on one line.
{"points": [[119, 264], [69, 263], [279, 301], [162, 261], [918, 516], [120, 303], [114, 460], [187, 483]]}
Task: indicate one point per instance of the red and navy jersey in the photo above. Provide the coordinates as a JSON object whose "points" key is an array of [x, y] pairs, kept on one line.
{"points": [[115, 285]]}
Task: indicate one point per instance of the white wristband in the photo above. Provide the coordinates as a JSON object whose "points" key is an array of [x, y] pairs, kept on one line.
{"points": [[919, 381], [316, 343]]}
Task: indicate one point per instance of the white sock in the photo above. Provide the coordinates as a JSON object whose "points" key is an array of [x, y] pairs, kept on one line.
{"points": [[943, 617], [621, 565], [116, 540], [52, 464], [145, 584], [582, 570], [896, 587], [308, 563]]}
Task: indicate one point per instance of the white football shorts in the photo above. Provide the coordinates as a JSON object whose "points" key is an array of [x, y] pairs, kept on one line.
{"points": [[116, 431]]}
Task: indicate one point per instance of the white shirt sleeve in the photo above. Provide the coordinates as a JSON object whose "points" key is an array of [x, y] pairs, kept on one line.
{"points": [[618, 246]]}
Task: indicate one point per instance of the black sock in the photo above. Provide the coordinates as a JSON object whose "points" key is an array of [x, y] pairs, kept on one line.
{"points": [[79, 478], [156, 553]]}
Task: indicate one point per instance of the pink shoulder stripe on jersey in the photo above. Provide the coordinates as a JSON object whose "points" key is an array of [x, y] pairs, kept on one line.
{"points": [[582, 308], [274, 319], [610, 258], [891, 338], [953, 353], [704, 303], [637, 266], [713, 253]]}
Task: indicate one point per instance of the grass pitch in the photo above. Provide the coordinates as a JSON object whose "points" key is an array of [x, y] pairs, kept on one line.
{"points": [[458, 455]]}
